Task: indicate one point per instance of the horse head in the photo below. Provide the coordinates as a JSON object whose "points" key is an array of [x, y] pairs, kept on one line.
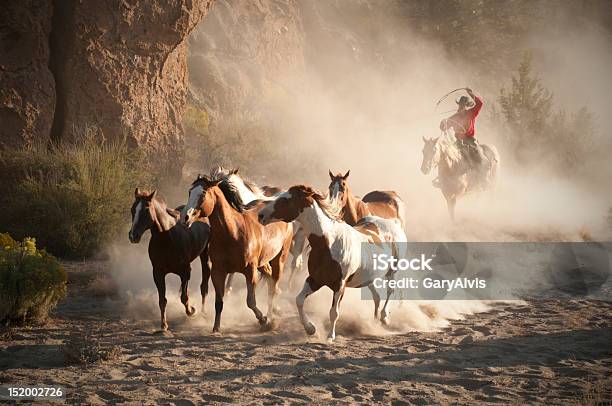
{"points": [[200, 201], [143, 214], [431, 154], [287, 206], [338, 187]]}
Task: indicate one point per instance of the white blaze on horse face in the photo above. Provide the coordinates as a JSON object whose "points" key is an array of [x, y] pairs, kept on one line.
{"points": [[246, 195], [335, 190], [266, 214], [192, 202], [137, 212]]}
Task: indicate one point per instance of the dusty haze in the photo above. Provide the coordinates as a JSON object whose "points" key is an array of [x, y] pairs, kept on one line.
{"points": [[366, 109]]}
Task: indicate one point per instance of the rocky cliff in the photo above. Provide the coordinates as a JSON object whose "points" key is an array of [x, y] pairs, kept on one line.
{"points": [[27, 87], [119, 66], [245, 52]]}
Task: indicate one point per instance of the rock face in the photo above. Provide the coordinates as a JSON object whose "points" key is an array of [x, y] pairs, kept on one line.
{"points": [[116, 65], [245, 52], [123, 70], [27, 88]]}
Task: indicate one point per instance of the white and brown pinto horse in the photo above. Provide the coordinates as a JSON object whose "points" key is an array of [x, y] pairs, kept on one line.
{"points": [[172, 247], [338, 259], [456, 175], [385, 204], [238, 242]]}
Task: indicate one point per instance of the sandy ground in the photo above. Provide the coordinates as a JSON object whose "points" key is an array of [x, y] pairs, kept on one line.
{"points": [[540, 352]]}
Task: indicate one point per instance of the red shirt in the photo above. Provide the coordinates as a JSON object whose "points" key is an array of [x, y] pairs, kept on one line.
{"points": [[463, 122]]}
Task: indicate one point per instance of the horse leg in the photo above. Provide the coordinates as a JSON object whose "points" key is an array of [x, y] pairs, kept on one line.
{"points": [[228, 284], [251, 282], [185, 276], [160, 282], [384, 314], [308, 289], [205, 278], [334, 312], [218, 280], [376, 298], [297, 253]]}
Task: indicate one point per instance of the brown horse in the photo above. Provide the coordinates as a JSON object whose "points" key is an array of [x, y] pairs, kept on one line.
{"points": [[238, 242], [172, 247], [385, 204]]}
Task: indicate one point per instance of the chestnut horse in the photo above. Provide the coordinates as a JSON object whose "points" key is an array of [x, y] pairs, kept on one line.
{"points": [[338, 259], [385, 204], [249, 192], [238, 243], [172, 247]]}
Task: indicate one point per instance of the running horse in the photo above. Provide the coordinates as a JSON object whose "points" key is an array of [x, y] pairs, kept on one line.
{"points": [[338, 258], [248, 192], [385, 204], [238, 243], [172, 247], [456, 175]]}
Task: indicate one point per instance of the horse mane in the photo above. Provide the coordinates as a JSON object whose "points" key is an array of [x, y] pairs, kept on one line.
{"points": [[231, 195], [331, 207], [224, 174]]}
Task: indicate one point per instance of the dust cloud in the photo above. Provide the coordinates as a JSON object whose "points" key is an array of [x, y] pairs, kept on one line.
{"points": [[367, 111]]}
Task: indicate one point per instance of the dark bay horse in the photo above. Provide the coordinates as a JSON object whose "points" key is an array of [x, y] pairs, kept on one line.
{"points": [[238, 242], [172, 247], [385, 204]]}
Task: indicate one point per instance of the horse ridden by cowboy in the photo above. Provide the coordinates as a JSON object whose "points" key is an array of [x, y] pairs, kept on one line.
{"points": [[463, 123]]}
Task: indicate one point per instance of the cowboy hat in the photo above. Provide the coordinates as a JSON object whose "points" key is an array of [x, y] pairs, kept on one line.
{"points": [[464, 101]]}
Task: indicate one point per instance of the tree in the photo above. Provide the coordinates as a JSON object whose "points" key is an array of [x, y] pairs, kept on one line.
{"points": [[526, 108], [533, 123]]}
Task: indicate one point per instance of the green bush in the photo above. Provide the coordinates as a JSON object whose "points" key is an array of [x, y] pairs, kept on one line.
{"points": [[73, 198], [31, 281]]}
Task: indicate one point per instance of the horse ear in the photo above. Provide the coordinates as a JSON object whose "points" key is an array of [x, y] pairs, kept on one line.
{"points": [[424, 139], [200, 176], [235, 171], [331, 175], [152, 195], [346, 175], [136, 191]]}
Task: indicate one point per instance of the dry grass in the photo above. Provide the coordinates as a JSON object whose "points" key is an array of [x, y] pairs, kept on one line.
{"points": [[82, 349]]}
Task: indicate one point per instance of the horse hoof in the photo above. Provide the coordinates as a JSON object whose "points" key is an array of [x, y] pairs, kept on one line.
{"points": [[192, 311], [385, 321], [330, 340], [310, 328], [216, 330], [269, 325]]}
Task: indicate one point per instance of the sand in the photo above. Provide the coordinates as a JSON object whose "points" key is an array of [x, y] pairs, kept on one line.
{"points": [[546, 351]]}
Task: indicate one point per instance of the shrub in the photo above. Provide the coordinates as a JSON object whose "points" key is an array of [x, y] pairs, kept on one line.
{"points": [[73, 198], [31, 281]]}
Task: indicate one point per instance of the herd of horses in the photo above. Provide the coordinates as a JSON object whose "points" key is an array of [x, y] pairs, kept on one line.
{"points": [[235, 226]]}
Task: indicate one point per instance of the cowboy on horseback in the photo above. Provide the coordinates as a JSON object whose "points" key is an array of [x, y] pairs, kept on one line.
{"points": [[463, 124]]}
